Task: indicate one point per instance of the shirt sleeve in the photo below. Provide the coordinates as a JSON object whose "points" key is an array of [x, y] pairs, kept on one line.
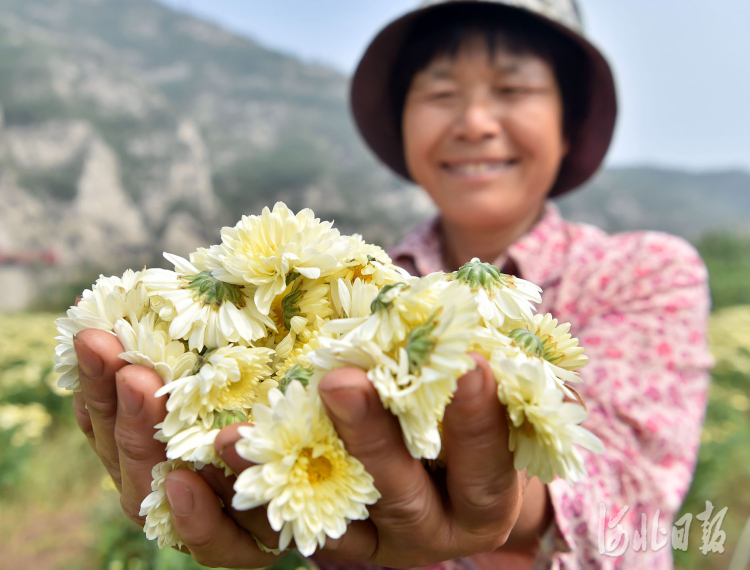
{"points": [[639, 305]]}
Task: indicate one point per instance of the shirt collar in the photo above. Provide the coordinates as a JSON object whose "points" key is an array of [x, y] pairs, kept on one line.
{"points": [[539, 256]]}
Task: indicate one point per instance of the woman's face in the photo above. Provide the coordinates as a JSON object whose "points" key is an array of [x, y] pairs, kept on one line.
{"points": [[484, 136]]}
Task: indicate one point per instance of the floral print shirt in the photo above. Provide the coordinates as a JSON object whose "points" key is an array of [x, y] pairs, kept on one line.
{"points": [[639, 304]]}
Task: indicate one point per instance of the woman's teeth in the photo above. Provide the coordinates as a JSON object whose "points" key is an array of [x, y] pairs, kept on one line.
{"points": [[476, 168]]}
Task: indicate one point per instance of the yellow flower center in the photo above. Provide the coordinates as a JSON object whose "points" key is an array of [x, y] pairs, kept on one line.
{"points": [[357, 274], [318, 468], [278, 316]]}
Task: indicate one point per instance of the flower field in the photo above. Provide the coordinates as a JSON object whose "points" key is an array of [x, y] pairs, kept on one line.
{"points": [[61, 511]]}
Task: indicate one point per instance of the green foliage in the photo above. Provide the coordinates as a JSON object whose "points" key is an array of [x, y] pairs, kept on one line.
{"points": [[727, 257], [723, 472]]}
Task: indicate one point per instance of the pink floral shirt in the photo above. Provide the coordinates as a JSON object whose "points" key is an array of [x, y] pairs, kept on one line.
{"points": [[639, 304]]}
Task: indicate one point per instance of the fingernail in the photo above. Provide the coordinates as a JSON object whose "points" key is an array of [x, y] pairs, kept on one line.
{"points": [[129, 402], [471, 384], [225, 447], [89, 362], [347, 404], [179, 497]]}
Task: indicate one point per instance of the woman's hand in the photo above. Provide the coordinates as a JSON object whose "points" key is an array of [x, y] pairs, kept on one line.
{"points": [[417, 522], [117, 411]]}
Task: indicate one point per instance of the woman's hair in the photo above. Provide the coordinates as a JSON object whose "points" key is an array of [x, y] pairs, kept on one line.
{"points": [[441, 33]]}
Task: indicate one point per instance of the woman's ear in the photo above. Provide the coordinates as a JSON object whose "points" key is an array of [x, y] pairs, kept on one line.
{"points": [[565, 146]]}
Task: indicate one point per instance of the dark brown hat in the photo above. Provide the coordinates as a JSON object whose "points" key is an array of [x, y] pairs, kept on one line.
{"points": [[375, 116]]}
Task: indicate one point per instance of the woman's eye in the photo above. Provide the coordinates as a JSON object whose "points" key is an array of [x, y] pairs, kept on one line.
{"points": [[511, 90], [441, 94]]}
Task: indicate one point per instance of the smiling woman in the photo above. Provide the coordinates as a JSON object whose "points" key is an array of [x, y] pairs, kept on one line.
{"points": [[483, 135]]}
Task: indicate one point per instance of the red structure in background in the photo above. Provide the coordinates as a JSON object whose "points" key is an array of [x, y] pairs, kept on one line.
{"points": [[46, 257]]}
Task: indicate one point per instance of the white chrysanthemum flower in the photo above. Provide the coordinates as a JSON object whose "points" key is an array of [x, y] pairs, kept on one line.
{"points": [[301, 309], [228, 378], [336, 353], [200, 308], [543, 428], [313, 487], [491, 343], [352, 299], [367, 262], [194, 444], [417, 377], [419, 386], [148, 343], [155, 508], [266, 250], [297, 366], [109, 299], [499, 296], [560, 348], [394, 311]]}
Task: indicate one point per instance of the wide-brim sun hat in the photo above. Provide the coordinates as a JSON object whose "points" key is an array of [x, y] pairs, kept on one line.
{"points": [[376, 118]]}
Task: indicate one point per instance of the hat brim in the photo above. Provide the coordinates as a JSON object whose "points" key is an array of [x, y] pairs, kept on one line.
{"points": [[375, 117]]}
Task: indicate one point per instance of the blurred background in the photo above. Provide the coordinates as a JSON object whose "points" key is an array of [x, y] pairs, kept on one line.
{"points": [[133, 127]]}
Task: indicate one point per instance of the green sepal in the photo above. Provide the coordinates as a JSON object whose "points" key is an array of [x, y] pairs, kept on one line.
{"points": [[212, 291], [528, 342], [385, 297], [297, 372], [227, 418], [420, 343], [477, 274]]}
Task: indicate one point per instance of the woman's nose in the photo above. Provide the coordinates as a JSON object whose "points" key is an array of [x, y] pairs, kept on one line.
{"points": [[477, 121]]}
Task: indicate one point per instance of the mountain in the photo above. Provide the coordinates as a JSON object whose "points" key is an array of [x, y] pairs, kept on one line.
{"points": [[128, 129], [687, 204]]}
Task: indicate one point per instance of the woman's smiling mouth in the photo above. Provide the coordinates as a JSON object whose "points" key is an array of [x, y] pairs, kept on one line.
{"points": [[478, 167]]}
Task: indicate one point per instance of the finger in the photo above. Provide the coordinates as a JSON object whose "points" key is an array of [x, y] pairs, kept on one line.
{"points": [[224, 446], [254, 520], [481, 480], [359, 542], [213, 538], [83, 419], [98, 360], [372, 435], [138, 411]]}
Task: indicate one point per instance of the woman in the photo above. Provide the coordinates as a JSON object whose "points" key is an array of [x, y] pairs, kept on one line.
{"points": [[491, 107]]}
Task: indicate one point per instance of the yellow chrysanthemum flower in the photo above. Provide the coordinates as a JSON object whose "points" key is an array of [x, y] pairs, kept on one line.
{"points": [[313, 487]]}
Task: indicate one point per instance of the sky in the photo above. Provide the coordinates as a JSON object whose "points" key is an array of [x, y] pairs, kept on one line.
{"points": [[682, 67]]}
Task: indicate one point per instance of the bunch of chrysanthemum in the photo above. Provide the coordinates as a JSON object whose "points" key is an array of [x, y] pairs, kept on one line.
{"points": [[244, 330]]}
